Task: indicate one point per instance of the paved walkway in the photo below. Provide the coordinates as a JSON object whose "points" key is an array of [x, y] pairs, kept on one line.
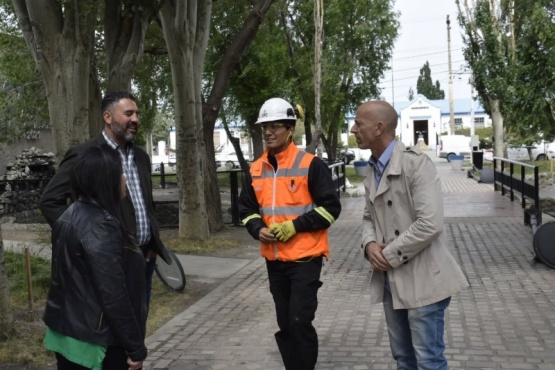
{"points": [[504, 320]]}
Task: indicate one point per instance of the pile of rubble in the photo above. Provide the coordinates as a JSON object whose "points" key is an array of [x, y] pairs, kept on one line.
{"points": [[32, 163], [25, 179]]}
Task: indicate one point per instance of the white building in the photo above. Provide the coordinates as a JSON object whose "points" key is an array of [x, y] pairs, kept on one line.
{"points": [[430, 118]]}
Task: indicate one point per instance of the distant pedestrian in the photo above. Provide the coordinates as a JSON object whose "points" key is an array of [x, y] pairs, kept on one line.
{"points": [[403, 237], [96, 307], [288, 201]]}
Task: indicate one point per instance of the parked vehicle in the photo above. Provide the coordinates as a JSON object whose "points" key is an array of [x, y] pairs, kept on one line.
{"points": [[450, 145], [227, 160], [345, 155], [539, 152], [168, 167]]}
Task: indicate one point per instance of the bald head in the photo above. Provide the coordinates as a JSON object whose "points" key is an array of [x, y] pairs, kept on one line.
{"points": [[375, 125], [382, 111]]}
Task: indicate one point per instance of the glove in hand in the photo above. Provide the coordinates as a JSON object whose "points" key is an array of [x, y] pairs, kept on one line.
{"points": [[283, 231]]}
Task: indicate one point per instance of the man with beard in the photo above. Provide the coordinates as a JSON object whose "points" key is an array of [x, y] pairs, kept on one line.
{"points": [[288, 201], [121, 123]]}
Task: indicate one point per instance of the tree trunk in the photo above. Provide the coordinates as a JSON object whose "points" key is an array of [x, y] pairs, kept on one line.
{"points": [[6, 317], [61, 41], [96, 123], [230, 61], [318, 29], [497, 123], [124, 37], [256, 137], [186, 27]]}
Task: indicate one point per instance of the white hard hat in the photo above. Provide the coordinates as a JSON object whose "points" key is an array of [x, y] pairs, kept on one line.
{"points": [[276, 109]]}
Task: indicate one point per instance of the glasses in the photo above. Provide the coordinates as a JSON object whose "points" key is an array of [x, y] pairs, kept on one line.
{"points": [[273, 126]]}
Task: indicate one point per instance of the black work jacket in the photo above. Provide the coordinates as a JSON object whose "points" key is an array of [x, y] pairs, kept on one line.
{"points": [[97, 292]]}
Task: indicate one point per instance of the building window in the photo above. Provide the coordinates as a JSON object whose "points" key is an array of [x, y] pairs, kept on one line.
{"points": [[479, 122], [458, 122]]}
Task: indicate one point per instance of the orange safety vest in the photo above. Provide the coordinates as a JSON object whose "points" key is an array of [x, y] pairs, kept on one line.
{"points": [[284, 195]]}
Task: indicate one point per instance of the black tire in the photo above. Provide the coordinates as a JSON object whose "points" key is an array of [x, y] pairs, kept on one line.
{"points": [[543, 244], [541, 157], [449, 156], [172, 275]]}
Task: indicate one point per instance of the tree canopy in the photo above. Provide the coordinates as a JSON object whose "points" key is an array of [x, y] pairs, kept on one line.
{"points": [[509, 46], [426, 87]]}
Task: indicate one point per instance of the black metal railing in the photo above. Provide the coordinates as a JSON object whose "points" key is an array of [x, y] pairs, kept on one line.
{"points": [[159, 170], [337, 171], [516, 182]]}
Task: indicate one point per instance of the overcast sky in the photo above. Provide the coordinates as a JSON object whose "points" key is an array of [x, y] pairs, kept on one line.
{"points": [[423, 37]]}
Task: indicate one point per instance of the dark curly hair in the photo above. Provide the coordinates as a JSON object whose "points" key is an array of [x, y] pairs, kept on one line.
{"points": [[113, 97]]}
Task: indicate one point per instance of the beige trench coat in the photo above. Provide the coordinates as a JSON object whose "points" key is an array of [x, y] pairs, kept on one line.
{"points": [[406, 213]]}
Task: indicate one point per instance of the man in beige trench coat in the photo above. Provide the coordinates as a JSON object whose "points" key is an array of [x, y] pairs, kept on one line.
{"points": [[403, 237]]}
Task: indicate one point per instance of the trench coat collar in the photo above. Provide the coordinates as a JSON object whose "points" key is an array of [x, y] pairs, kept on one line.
{"points": [[393, 169]]}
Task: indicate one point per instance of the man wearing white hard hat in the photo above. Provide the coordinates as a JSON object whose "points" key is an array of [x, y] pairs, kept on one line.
{"points": [[288, 201]]}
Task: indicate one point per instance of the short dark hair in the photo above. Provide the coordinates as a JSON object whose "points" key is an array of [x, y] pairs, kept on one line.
{"points": [[113, 97], [97, 175]]}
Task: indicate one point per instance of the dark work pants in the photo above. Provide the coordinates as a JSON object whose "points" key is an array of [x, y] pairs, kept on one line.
{"points": [[115, 359], [294, 286], [150, 266]]}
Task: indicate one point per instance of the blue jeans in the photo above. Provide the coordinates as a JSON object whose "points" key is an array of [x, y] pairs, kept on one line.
{"points": [[416, 334]]}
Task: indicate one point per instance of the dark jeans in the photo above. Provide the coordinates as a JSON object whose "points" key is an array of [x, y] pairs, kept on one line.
{"points": [[115, 359], [294, 287]]}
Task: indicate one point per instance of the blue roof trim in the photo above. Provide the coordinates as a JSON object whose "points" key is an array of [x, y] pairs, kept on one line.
{"points": [[461, 107]]}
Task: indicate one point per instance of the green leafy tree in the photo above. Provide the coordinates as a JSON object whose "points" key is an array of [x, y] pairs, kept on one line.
{"points": [[533, 102], [20, 84], [62, 38], [262, 72], [197, 105], [488, 52], [510, 49], [426, 87], [355, 55]]}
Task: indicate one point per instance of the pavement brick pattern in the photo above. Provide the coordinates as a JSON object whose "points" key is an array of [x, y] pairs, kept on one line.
{"points": [[505, 320]]}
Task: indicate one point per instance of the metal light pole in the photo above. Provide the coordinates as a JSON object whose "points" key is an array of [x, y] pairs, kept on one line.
{"points": [[451, 109]]}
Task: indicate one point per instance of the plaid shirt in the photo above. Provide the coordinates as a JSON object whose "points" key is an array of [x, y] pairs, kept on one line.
{"points": [[133, 189]]}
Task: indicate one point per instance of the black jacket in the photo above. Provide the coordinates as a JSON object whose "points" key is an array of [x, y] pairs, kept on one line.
{"points": [[55, 198], [97, 292]]}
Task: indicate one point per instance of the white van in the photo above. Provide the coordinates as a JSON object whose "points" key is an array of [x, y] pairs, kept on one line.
{"points": [[449, 145]]}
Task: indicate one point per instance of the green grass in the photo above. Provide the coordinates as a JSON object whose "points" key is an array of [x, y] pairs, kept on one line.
{"points": [[40, 272], [199, 247], [352, 176], [24, 341]]}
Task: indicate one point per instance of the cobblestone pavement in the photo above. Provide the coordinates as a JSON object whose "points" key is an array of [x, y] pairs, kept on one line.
{"points": [[504, 320]]}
